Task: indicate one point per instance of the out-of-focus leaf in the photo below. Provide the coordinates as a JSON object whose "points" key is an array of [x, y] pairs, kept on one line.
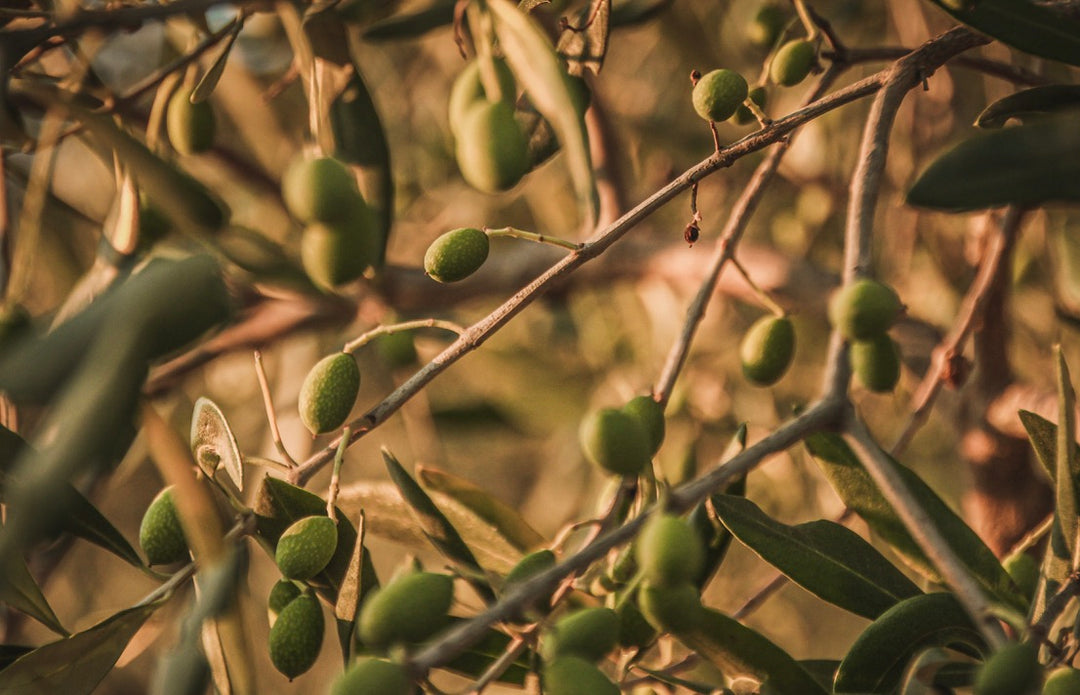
{"points": [[633, 12], [1065, 503], [703, 517], [876, 662], [1043, 436], [740, 651], [584, 47], [213, 443], [1022, 24], [19, 590], [830, 561], [264, 259], [1024, 165], [326, 33], [412, 24], [437, 527], [11, 652], [387, 515], [823, 670], [278, 504], [76, 664], [504, 518], [210, 80], [1037, 101], [351, 593], [855, 486], [537, 68], [359, 138]]}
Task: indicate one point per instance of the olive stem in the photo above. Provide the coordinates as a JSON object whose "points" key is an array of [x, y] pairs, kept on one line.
{"points": [[335, 476], [271, 415], [752, 106], [354, 345], [761, 294], [515, 233], [806, 19]]}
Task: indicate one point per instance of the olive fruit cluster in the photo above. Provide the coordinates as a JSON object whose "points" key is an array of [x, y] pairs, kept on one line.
{"points": [[491, 148], [160, 535], [671, 556], [623, 440], [572, 646], [863, 311], [767, 349], [296, 618], [456, 254], [409, 609], [340, 239], [190, 126], [719, 94], [329, 392]]}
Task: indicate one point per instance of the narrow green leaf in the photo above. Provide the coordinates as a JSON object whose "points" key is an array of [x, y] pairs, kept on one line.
{"points": [[1022, 24], [278, 504], [75, 665], [876, 662], [1043, 436], [351, 593], [859, 492], [740, 651], [830, 561], [1024, 165], [502, 517], [11, 652], [536, 66], [1037, 101], [360, 139], [21, 592], [213, 443], [210, 80], [1065, 507], [388, 516], [409, 25], [437, 527], [584, 47]]}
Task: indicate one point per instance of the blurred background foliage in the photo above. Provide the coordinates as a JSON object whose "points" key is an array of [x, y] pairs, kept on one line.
{"points": [[507, 416]]}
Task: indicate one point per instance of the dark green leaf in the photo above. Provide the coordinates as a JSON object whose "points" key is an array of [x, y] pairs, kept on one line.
{"points": [[19, 590], [537, 68], [1036, 101], [388, 516], [360, 139], [75, 665], [213, 443], [1025, 165], [351, 593], [585, 44], [855, 486], [11, 652], [412, 24], [876, 662], [1065, 508], [1021, 24], [437, 527], [210, 80], [266, 260], [278, 504], [502, 517], [740, 651], [1043, 436], [830, 561]]}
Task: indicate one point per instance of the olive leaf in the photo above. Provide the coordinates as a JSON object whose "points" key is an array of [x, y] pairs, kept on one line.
{"points": [[213, 443], [859, 492], [829, 560], [502, 517], [1031, 27], [351, 592], [209, 81], [75, 665], [437, 527], [1043, 436], [536, 66], [634, 12], [412, 24], [19, 590], [877, 660], [741, 651], [1065, 506], [1037, 101], [1024, 165]]}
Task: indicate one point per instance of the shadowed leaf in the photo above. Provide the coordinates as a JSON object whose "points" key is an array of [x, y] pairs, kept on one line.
{"points": [[213, 443], [1037, 101], [21, 592], [1021, 24]]}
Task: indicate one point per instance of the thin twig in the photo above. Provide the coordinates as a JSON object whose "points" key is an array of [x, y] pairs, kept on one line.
{"points": [[971, 310], [271, 414], [364, 339], [923, 530]]}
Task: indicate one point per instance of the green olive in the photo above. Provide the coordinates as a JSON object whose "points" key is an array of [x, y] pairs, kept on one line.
{"points": [[1062, 681], [190, 126], [792, 63], [876, 363], [306, 547], [1012, 670], [1023, 569], [492, 152], [281, 594], [743, 115], [329, 392], [160, 535], [589, 633], [370, 676], [319, 189], [669, 551], [296, 637], [718, 94], [767, 350], [650, 414], [468, 90], [336, 253], [675, 608], [616, 441], [572, 675], [456, 255], [766, 26], [864, 309], [409, 609]]}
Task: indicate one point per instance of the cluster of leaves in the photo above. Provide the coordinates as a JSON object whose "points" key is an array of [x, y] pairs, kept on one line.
{"points": [[590, 608]]}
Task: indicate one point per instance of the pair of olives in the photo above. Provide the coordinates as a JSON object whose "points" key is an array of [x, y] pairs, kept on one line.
{"points": [[623, 440], [340, 238], [671, 556], [863, 312]]}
